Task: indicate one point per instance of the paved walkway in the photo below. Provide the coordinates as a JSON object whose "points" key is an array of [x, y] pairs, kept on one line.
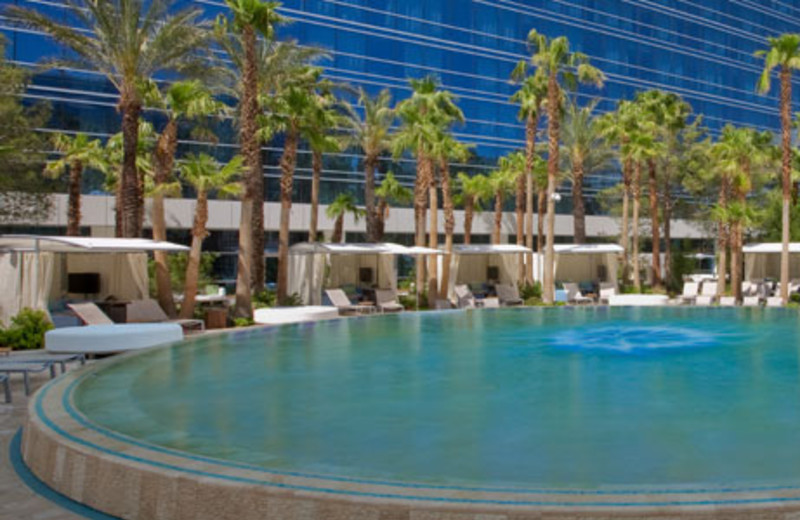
{"points": [[17, 501]]}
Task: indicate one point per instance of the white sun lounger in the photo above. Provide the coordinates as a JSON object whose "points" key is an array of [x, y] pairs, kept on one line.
{"points": [[708, 293], [574, 294], [508, 295], [386, 300], [6, 387], [690, 292], [607, 290], [464, 297], [26, 369], [343, 304]]}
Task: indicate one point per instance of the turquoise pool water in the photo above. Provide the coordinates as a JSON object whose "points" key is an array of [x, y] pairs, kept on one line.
{"points": [[530, 398]]}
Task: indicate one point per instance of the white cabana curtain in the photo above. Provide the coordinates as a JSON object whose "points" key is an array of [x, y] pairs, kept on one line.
{"points": [[34, 291], [122, 275], [586, 267], [768, 265], [345, 271], [455, 261], [509, 268], [10, 283], [306, 277]]}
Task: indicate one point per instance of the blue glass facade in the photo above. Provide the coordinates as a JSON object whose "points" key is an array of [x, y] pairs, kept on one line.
{"points": [[701, 50]]}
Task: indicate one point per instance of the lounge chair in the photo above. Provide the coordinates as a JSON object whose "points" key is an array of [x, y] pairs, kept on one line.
{"points": [[386, 301], [464, 297], [490, 303], [508, 295], [708, 293], [727, 301], [574, 294], [26, 369], [751, 301], [607, 290], [149, 311], [774, 301], [43, 357], [90, 314], [690, 290], [6, 387], [343, 304], [443, 305]]}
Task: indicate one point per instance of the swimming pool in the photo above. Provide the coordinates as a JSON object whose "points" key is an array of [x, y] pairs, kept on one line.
{"points": [[593, 405]]}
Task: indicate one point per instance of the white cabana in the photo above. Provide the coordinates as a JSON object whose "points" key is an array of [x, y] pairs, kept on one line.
{"points": [[317, 266], [34, 270], [764, 260], [482, 263], [587, 262]]}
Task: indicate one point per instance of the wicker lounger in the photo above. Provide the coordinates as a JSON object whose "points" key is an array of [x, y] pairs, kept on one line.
{"points": [[26, 369]]}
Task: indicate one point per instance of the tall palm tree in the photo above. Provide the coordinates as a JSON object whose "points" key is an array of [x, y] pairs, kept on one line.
{"points": [[475, 191], [738, 154], [617, 127], [530, 97], [342, 205], [502, 182], [640, 147], [445, 149], [128, 42], [291, 111], [389, 192], [585, 151], [783, 54], [563, 69], [77, 153], [206, 176], [237, 33], [371, 126], [423, 116], [182, 100]]}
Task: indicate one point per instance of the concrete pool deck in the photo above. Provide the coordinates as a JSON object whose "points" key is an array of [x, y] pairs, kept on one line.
{"points": [[130, 479]]}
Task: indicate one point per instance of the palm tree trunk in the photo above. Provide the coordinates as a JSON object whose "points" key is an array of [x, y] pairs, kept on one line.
{"points": [[193, 265], [316, 174], [163, 163], [433, 242], [380, 219], [637, 201], [130, 212], [553, 131], [420, 201], [469, 213], [259, 267], [653, 195], [74, 199], [248, 141], [531, 125], [578, 206], [625, 239], [541, 205], [288, 162], [667, 208], [498, 216], [722, 240], [338, 229], [370, 164], [786, 141], [519, 207], [737, 255], [449, 226]]}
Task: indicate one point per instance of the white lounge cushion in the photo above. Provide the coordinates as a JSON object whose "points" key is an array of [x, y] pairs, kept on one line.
{"points": [[637, 300], [109, 339], [281, 315]]}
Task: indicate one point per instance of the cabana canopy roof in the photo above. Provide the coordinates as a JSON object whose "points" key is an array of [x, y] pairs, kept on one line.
{"points": [[587, 249], [385, 248], [60, 244], [770, 248], [489, 249]]}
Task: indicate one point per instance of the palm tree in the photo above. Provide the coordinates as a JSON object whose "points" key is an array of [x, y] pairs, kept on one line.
{"points": [[530, 97], [190, 100], [128, 42], [372, 133], [445, 149], [77, 153], [585, 152], [502, 182], [389, 192], [738, 153], [342, 205], [617, 128], [291, 111], [475, 191], [561, 66], [640, 147], [428, 112], [784, 54], [206, 176], [238, 35]]}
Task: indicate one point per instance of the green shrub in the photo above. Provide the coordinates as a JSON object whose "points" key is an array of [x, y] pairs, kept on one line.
{"points": [[528, 291], [794, 298], [27, 330], [293, 300], [243, 322], [265, 298], [533, 301], [177, 270]]}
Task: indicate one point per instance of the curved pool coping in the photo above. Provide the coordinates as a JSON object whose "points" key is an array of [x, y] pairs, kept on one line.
{"points": [[128, 478]]}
